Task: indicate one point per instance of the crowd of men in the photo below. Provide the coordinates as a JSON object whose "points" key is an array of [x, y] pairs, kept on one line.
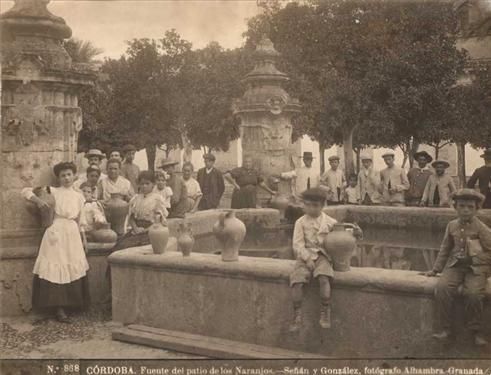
{"points": [[426, 185]]}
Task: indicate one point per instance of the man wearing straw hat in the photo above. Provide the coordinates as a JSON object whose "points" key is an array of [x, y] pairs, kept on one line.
{"points": [[482, 175], [369, 182], [179, 199], [94, 157], [439, 187]]}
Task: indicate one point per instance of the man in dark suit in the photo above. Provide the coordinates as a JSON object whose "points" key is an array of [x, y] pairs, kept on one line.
{"points": [[211, 182], [482, 175]]}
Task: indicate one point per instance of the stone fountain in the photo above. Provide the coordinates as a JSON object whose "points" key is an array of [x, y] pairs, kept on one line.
{"points": [[266, 111], [40, 113]]}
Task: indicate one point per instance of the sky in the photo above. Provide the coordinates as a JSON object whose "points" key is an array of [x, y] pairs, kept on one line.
{"points": [[108, 24]]}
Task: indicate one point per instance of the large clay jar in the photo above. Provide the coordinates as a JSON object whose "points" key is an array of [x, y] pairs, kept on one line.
{"points": [[158, 235], [185, 241], [47, 213], [340, 244], [116, 212], [103, 234], [281, 203], [230, 233]]}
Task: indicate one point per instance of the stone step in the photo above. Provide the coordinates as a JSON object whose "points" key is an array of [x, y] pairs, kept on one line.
{"points": [[212, 347]]}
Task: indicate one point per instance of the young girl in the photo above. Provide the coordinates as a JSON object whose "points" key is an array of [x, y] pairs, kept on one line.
{"points": [[60, 271], [162, 188], [145, 208], [92, 211]]}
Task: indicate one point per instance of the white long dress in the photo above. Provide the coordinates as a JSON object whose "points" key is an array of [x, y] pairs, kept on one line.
{"points": [[61, 258]]}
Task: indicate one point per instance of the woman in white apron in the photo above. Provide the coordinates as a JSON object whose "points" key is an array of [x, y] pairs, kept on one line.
{"points": [[60, 272]]}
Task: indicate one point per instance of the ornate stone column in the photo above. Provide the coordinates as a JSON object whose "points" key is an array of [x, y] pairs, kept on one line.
{"points": [[40, 114], [266, 111]]}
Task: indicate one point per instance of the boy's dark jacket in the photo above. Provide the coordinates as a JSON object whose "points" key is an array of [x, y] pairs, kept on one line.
{"points": [[455, 242]]}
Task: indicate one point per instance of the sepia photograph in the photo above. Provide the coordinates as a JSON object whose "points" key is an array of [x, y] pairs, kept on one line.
{"points": [[245, 187]]}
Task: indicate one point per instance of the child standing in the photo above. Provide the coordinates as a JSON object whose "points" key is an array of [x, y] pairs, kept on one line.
{"points": [[162, 188], [352, 193], [464, 259], [60, 272], [92, 211], [312, 260]]}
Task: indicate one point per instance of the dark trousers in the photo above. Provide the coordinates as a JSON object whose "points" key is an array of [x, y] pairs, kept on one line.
{"points": [[473, 290]]}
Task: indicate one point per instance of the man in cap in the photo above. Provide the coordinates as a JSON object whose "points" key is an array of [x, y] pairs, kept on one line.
{"points": [[130, 170], [394, 182], [369, 182], [179, 199], [333, 181], [418, 177], [94, 157], [211, 182], [464, 260], [439, 187], [482, 176], [304, 177]]}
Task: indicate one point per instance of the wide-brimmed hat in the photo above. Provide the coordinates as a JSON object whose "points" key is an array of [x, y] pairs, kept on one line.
{"points": [[487, 153], [427, 156], [445, 163], [307, 155], [167, 163], [209, 156], [94, 152], [334, 157], [388, 153], [468, 195]]}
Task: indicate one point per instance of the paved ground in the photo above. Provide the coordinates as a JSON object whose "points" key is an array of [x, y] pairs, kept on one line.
{"points": [[89, 336]]}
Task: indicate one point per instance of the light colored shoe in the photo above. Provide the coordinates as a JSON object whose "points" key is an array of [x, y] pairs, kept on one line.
{"points": [[443, 335], [325, 317]]}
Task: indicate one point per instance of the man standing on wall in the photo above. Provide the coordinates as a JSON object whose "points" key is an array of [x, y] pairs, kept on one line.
{"points": [[418, 177], [129, 170], [482, 175], [333, 181], [369, 182], [211, 182], [303, 178], [394, 182]]}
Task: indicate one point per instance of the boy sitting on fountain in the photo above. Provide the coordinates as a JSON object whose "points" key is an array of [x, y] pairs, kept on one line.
{"points": [[464, 259], [312, 260]]}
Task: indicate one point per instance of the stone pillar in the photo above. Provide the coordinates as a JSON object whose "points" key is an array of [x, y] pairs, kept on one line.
{"points": [[40, 113], [266, 112]]}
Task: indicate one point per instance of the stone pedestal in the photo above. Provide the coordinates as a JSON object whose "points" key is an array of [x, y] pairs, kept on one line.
{"points": [[40, 114], [266, 111]]}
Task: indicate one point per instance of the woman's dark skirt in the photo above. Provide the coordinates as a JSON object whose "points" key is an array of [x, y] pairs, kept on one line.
{"points": [[46, 294], [245, 197]]}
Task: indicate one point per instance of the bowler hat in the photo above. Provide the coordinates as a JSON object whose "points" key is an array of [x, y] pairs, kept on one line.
{"points": [[167, 163], [334, 157], [445, 163], [427, 156], [209, 157], [388, 153], [468, 194], [308, 155], [94, 152], [487, 153]]}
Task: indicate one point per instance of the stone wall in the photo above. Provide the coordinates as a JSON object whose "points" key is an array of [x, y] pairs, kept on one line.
{"points": [[17, 259], [376, 313]]}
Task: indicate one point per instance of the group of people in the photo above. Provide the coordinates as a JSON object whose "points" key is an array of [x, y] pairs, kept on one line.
{"points": [[420, 186]]}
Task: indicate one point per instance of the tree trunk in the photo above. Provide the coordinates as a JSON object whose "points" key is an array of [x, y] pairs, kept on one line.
{"points": [[348, 152], [461, 164], [357, 153], [151, 154], [322, 152]]}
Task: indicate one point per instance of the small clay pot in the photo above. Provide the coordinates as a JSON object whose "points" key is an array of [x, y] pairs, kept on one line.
{"points": [[158, 235], [230, 233], [104, 234], [185, 241]]}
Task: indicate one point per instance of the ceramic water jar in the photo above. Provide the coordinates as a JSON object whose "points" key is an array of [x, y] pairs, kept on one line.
{"points": [[230, 233]]}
